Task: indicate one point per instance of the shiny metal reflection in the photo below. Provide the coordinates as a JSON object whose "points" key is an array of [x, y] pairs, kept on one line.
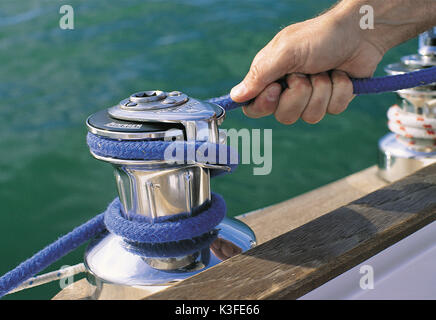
{"points": [[162, 192], [397, 158], [397, 161], [117, 273]]}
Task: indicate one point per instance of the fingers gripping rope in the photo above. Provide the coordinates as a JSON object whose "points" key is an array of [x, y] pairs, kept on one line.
{"points": [[363, 86]]}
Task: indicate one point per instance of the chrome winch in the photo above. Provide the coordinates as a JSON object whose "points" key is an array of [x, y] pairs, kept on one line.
{"points": [[412, 143], [159, 190]]}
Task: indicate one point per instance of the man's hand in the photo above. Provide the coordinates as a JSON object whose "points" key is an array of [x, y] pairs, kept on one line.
{"points": [[317, 57]]}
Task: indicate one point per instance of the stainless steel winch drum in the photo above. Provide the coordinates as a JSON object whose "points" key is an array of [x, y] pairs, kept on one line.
{"points": [[158, 189], [396, 159]]}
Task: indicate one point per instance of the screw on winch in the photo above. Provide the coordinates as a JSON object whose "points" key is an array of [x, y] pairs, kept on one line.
{"points": [[412, 143], [158, 190]]}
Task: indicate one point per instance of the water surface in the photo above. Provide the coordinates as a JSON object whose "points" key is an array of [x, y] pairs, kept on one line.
{"points": [[52, 79]]}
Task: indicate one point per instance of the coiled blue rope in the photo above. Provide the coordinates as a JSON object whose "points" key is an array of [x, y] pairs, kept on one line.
{"points": [[96, 225], [139, 229], [172, 249], [155, 150]]}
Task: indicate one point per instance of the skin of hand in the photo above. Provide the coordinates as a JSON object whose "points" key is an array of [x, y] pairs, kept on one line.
{"points": [[316, 57]]}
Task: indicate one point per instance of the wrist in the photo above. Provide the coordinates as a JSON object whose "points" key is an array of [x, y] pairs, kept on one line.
{"points": [[395, 21]]}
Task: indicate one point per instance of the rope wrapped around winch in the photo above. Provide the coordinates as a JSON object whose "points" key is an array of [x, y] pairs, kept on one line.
{"points": [[96, 225], [185, 226]]}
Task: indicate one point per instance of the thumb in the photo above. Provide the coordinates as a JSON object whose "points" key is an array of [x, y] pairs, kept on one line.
{"points": [[265, 69]]}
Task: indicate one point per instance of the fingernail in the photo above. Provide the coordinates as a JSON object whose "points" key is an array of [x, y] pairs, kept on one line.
{"points": [[238, 90], [273, 94]]}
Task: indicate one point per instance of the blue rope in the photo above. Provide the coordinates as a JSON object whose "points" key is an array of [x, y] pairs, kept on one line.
{"points": [[154, 151], [172, 249], [363, 86], [393, 83], [138, 229], [165, 235], [51, 254]]}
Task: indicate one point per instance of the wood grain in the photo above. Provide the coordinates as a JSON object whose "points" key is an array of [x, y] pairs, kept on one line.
{"points": [[79, 290], [272, 221], [304, 258]]}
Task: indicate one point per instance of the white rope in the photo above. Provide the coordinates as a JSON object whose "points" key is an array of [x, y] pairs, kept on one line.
{"points": [[50, 276], [416, 131]]}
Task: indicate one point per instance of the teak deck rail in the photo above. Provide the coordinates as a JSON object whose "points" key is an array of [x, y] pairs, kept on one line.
{"points": [[310, 239]]}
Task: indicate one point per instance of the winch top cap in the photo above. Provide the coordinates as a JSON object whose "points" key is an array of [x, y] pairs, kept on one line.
{"points": [[157, 114], [160, 106], [153, 100]]}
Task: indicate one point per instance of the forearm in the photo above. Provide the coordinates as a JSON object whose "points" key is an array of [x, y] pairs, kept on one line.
{"points": [[395, 21], [336, 41]]}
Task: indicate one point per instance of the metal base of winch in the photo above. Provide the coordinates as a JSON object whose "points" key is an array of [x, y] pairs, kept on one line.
{"points": [[396, 161], [116, 273]]}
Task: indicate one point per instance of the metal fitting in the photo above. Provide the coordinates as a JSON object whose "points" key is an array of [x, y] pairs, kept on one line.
{"points": [[396, 158], [158, 189]]}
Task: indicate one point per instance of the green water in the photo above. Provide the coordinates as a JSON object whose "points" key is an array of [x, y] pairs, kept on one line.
{"points": [[52, 79]]}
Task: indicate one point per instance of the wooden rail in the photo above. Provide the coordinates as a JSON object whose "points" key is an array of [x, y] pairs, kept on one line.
{"points": [[275, 220], [304, 258]]}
